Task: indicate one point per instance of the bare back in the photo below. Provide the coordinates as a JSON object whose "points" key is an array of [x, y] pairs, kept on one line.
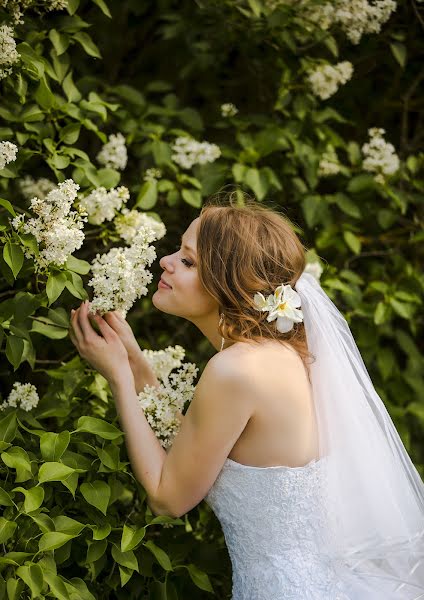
{"points": [[282, 429]]}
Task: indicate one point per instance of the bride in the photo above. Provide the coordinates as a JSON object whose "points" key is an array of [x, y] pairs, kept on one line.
{"points": [[286, 438]]}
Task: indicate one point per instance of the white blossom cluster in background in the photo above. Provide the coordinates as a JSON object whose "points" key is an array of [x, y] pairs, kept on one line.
{"points": [[163, 361], [189, 152], [16, 8], [355, 17], [228, 109], [31, 187], [130, 221], [314, 268], [380, 156], [8, 53], [23, 394], [114, 153], [101, 205], [8, 153], [152, 174], [326, 79], [163, 405], [329, 163], [56, 228], [120, 275]]}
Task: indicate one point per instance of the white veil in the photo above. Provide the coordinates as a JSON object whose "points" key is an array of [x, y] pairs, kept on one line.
{"points": [[374, 491]]}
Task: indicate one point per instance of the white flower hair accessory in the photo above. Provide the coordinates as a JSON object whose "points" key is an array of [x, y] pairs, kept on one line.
{"points": [[282, 305]]}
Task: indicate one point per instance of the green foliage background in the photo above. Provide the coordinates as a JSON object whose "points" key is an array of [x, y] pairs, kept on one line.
{"points": [[75, 523]]}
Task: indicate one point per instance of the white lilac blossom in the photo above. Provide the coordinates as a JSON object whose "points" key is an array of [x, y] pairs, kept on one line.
{"points": [[228, 109], [102, 205], [8, 153], [188, 152], [31, 187], [163, 361], [56, 227], [129, 222], [380, 156], [114, 152], [8, 53], [16, 8], [354, 17], [152, 174], [314, 269], [329, 163], [163, 405], [23, 395], [120, 275], [326, 79], [357, 17]]}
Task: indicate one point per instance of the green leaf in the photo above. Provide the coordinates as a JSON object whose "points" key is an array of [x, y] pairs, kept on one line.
{"points": [[360, 183], [14, 257], [7, 206], [44, 96], [192, 197], [103, 7], [72, 92], [16, 458], [98, 427], [399, 52], [5, 498], [70, 133], [75, 285], [160, 555], [55, 286], [200, 578], [48, 328], [53, 445], [77, 265], [73, 6], [97, 493], [101, 531], [403, 309], [108, 178], [87, 43], [59, 40], [95, 550], [67, 525], [33, 576], [352, 241], [54, 471], [258, 182], [381, 313], [33, 497], [53, 539], [56, 585], [147, 195], [8, 427], [7, 529], [131, 537], [126, 559]]}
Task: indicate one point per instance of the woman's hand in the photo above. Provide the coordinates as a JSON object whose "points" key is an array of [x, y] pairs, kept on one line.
{"points": [[106, 352], [117, 322]]}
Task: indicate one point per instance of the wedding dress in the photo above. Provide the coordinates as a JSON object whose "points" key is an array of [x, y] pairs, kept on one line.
{"points": [[275, 529]]}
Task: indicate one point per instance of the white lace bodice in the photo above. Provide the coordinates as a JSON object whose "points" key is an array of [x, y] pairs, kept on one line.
{"points": [[274, 528]]}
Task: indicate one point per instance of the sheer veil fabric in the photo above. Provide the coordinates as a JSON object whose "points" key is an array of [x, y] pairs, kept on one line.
{"points": [[373, 491]]}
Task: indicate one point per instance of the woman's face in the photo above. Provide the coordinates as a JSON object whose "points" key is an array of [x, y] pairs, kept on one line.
{"points": [[187, 297]]}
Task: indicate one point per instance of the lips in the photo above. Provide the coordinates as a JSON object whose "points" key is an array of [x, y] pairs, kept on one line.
{"points": [[164, 282]]}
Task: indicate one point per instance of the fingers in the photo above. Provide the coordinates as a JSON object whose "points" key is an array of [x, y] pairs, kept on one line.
{"points": [[105, 329]]}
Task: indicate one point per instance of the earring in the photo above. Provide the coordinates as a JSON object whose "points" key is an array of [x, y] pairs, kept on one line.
{"points": [[223, 340]]}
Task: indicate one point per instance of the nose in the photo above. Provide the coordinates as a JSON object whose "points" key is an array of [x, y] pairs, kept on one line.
{"points": [[166, 262]]}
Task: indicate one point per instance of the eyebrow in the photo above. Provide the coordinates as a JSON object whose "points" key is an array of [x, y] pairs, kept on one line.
{"points": [[188, 247]]}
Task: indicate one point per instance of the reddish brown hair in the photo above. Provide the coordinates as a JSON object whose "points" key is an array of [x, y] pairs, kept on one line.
{"points": [[244, 247]]}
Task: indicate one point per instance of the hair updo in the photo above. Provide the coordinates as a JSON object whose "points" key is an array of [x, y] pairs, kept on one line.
{"points": [[244, 247]]}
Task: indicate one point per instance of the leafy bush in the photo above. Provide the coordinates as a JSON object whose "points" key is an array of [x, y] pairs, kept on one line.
{"points": [[293, 131]]}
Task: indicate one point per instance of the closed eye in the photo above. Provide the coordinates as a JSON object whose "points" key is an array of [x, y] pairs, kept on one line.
{"points": [[185, 262]]}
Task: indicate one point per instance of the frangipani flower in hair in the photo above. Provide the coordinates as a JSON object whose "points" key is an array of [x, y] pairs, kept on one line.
{"points": [[282, 305]]}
